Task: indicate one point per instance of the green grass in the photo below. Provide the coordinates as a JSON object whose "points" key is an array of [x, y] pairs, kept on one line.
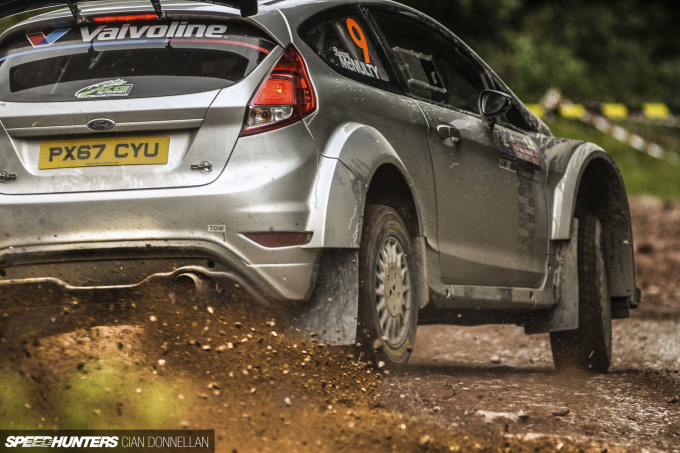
{"points": [[643, 174], [651, 128]]}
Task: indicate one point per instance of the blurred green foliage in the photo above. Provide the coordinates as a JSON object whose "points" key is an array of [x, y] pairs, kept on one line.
{"points": [[104, 395], [594, 50]]}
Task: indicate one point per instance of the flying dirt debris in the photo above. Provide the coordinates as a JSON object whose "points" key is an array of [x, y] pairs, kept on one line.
{"points": [[221, 362], [164, 164]]}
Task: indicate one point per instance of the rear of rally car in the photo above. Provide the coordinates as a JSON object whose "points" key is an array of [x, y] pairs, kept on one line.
{"points": [[138, 143]]}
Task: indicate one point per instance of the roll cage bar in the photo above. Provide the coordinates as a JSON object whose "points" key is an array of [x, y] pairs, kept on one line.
{"points": [[9, 7]]}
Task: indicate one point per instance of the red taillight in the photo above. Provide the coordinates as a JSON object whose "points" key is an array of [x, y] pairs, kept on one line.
{"points": [[285, 97], [277, 91], [124, 18]]}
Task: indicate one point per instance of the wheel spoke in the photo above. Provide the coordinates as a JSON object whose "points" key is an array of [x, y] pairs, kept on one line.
{"points": [[393, 251], [382, 306], [391, 327], [382, 264], [403, 306], [384, 319]]}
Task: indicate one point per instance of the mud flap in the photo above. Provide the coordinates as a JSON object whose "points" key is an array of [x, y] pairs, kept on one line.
{"points": [[332, 312], [564, 314]]}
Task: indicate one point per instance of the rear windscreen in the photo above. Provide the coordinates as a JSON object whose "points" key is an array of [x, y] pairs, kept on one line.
{"points": [[131, 60]]}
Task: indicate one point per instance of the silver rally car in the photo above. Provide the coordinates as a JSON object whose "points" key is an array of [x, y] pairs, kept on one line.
{"points": [[353, 161]]}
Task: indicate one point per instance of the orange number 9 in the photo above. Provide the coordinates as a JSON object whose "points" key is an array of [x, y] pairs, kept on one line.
{"points": [[359, 38]]}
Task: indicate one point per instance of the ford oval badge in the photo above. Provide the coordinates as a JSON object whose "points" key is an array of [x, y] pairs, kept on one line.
{"points": [[101, 124]]}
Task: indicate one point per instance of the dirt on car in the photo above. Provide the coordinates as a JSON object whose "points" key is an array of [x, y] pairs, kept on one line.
{"points": [[158, 360]]}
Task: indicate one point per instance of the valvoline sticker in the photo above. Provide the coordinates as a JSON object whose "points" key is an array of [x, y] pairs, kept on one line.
{"points": [[42, 40]]}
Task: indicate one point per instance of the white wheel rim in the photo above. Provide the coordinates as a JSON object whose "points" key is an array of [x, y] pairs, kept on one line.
{"points": [[393, 291]]}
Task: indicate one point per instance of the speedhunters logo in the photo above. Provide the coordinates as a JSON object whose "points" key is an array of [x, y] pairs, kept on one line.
{"points": [[61, 442], [133, 441]]}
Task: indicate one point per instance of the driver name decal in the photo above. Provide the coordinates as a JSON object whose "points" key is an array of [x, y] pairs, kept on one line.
{"points": [[354, 65]]}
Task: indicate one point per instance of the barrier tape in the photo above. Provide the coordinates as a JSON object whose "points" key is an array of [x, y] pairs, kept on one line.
{"points": [[603, 120], [604, 125], [655, 111]]}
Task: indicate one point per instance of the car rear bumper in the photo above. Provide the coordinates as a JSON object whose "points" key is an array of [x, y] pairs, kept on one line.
{"points": [[122, 238], [131, 264]]}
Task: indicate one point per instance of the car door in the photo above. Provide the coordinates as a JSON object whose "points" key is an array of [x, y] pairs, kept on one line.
{"points": [[486, 196]]}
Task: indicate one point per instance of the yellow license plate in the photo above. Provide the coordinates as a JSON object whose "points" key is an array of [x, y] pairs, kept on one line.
{"points": [[104, 152]]}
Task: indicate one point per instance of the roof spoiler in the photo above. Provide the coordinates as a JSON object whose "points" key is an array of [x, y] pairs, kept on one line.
{"points": [[9, 7]]}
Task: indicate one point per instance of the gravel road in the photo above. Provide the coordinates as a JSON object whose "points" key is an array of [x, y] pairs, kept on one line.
{"points": [[157, 361]]}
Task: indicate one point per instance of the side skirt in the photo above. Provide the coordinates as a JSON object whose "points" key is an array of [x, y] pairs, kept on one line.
{"points": [[550, 308]]}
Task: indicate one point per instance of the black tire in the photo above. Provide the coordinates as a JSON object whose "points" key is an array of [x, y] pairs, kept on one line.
{"points": [[388, 313], [589, 347]]}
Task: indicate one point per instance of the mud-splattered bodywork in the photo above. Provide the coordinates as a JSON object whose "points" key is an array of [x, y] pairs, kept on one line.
{"points": [[491, 211]]}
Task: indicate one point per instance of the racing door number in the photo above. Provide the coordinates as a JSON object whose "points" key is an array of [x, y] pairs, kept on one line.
{"points": [[104, 152], [359, 38]]}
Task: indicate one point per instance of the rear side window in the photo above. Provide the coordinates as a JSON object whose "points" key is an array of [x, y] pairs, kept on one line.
{"points": [[131, 60], [345, 43], [434, 67]]}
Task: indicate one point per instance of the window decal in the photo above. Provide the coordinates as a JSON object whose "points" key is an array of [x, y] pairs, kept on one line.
{"points": [[359, 40], [110, 88], [354, 65], [346, 46]]}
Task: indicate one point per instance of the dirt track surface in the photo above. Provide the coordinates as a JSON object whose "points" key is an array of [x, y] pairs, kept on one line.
{"points": [[156, 361]]}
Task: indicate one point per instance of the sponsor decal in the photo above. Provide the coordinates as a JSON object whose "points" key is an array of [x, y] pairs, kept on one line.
{"points": [[518, 147], [40, 40], [176, 29], [354, 65], [107, 89], [506, 145], [526, 151], [526, 233], [507, 164]]}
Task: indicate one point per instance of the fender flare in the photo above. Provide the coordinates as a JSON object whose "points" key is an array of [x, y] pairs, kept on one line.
{"points": [[344, 175], [338, 201], [566, 190], [588, 164]]}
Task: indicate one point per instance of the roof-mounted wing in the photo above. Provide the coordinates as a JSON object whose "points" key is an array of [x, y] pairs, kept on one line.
{"points": [[9, 7]]}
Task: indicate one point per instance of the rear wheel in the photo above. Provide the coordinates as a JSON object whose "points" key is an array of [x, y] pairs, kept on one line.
{"points": [[387, 303], [589, 347]]}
